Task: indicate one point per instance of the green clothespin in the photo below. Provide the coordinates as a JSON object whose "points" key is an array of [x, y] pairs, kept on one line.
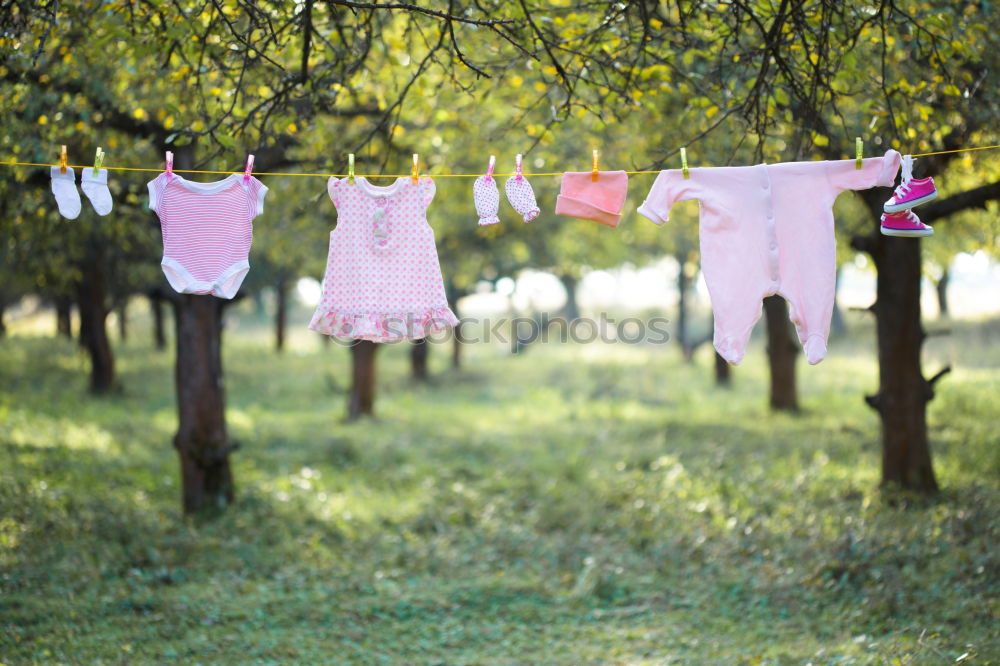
{"points": [[350, 168], [859, 150], [684, 163], [98, 160]]}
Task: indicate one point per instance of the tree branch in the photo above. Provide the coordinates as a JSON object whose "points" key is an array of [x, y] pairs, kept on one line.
{"points": [[975, 198], [419, 10]]}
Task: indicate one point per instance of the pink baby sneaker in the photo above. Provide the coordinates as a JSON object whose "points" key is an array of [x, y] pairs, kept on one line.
{"points": [[905, 223], [910, 192]]}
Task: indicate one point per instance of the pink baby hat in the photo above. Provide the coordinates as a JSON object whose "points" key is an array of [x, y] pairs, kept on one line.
{"points": [[486, 197], [601, 200], [520, 195]]}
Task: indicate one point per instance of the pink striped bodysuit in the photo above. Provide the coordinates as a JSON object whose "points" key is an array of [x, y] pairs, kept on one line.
{"points": [[768, 229], [206, 231]]}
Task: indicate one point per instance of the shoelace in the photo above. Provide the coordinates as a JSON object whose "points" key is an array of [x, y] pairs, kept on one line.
{"points": [[911, 217], [904, 186]]}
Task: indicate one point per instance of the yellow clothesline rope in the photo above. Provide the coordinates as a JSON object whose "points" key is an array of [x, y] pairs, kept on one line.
{"points": [[960, 150], [390, 175], [282, 173]]}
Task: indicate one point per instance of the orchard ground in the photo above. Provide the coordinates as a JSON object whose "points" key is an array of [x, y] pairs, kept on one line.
{"points": [[571, 504]]}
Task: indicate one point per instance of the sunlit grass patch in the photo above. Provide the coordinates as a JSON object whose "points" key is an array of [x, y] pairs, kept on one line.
{"points": [[571, 504]]}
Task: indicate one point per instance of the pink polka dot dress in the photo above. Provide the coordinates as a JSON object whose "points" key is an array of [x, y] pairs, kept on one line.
{"points": [[383, 280]]}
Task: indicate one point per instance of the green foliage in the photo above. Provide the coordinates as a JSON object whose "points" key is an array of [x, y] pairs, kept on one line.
{"points": [[578, 505]]}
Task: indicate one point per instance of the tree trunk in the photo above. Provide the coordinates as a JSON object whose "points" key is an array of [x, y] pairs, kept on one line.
{"points": [[723, 371], [419, 352], [281, 307], [3, 324], [123, 320], [453, 294], [781, 354], [572, 307], [362, 400], [91, 294], [156, 305], [838, 327], [942, 293], [456, 346], [201, 439], [903, 392], [64, 316], [682, 290]]}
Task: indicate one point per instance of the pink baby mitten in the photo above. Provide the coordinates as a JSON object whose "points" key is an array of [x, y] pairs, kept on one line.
{"points": [[487, 198], [522, 197]]}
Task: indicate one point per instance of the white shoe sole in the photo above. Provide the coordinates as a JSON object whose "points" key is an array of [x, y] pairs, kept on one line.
{"points": [[907, 233], [896, 208]]}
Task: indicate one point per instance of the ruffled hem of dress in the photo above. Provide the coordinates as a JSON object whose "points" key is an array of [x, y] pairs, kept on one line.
{"points": [[382, 327]]}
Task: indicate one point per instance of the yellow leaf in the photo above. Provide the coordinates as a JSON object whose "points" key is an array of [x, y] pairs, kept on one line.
{"points": [[821, 140], [292, 128], [711, 111], [43, 120], [656, 24], [540, 87], [951, 89], [516, 81]]}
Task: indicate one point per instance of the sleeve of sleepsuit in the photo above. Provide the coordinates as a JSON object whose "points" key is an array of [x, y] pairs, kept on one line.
{"points": [[656, 207], [874, 172]]}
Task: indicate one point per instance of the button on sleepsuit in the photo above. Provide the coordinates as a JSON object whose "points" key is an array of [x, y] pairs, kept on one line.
{"points": [[768, 229]]}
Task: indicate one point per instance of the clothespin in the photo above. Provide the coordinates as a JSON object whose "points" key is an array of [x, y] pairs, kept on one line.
{"points": [[415, 174], [859, 148], [249, 170], [593, 173], [350, 168], [489, 169], [170, 165], [62, 160], [684, 163], [517, 168], [98, 160]]}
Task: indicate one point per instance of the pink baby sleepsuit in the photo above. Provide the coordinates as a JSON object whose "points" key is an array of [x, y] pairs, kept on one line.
{"points": [[764, 230], [383, 281], [207, 230]]}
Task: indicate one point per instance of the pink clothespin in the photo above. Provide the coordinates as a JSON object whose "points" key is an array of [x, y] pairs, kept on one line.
{"points": [[517, 168], [249, 170], [170, 165], [489, 169]]}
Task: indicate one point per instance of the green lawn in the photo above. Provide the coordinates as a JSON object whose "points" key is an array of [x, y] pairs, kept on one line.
{"points": [[570, 505]]}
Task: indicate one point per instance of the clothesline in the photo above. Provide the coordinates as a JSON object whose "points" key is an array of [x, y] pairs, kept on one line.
{"points": [[392, 175]]}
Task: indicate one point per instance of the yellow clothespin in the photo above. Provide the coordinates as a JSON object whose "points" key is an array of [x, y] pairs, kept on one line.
{"points": [[684, 163], [350, 168], [98, 160], [415, 174], [62, 160], [593, 172], [859, 148]]}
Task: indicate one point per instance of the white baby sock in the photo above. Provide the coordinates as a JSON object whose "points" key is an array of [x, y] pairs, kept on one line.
{"points": [[64, 187], [96, 189]]}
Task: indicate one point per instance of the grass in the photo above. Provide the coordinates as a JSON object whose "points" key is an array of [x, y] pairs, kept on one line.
{"points": [[571, 505]]}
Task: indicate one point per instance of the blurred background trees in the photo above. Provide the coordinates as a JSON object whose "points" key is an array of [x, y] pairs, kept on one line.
{"points": [[301, 85]]}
